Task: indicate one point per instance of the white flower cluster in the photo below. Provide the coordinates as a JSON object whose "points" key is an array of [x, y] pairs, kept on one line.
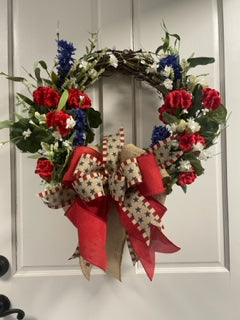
{"points": [[168, 84], [192, 81], [152, 68], [185, 166], [26, 134], [70, 123], [205, 155], [48, 150], [190, 126], [57, 135], [40, 117], [168, 72], [113, 61]]}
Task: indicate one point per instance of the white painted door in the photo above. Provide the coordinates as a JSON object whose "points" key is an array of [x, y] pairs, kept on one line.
{"points": [[202, 281]]}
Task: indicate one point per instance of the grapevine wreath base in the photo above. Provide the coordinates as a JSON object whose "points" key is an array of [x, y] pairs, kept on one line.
{"points": [[57, 124]]}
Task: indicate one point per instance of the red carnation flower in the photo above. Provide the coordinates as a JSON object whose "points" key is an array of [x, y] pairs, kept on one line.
{"points": [[211, 98], [46, 96], [178, 99], [186, 178], [173, 99], [49, 118], [162, 109], [78, 99], [85, 101], [58, 120], [44, 168], [186, 141], [199, 138], [186, 99], [74, 97]]}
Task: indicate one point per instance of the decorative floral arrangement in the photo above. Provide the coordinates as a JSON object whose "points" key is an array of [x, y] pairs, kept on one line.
{"points": [[57, 123]]}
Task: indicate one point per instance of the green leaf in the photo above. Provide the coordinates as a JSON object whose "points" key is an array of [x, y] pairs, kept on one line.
{"points": [[63, 100], [197, 100], [184, 188], [169, 118], [26, 99], [171, 182], [32, 143], [72, 136], [54, 77], [165, 44], [59, 156], [60, 168], [175, 35], [219, 114], [197, 166], [94, 118], [17, 79], [18, 116], [193, 62], [195, 162], [43, 64], [6, 124], [37, 72], [208, 125], [209, 129], [16, 136], [47, 81], [164, 26], [89, 136], [35, 156], [37, 108], [46, 146]]}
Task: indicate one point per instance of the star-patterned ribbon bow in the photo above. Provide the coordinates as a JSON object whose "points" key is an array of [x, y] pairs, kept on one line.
{"points": [[92, 181]]}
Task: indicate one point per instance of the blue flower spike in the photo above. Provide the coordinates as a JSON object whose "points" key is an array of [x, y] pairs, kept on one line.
{"points": [[65, 52], [80, 127]]}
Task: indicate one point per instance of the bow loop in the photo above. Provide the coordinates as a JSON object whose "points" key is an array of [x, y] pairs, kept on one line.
{"points": [[86, 165], [89, 186], [130, 169], [89, 180], [111, 148]]}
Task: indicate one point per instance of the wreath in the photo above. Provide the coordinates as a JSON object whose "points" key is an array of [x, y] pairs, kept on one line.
{"points": [[57, 123]]}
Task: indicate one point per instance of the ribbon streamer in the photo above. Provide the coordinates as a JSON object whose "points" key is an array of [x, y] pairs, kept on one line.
{"points": [[93, 181]]}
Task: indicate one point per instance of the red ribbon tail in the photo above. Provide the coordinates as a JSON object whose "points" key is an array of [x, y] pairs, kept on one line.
{"points": [[91, 234], [160, 243], [145, 254]]}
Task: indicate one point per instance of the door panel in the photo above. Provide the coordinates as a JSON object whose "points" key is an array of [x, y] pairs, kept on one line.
{"points": [[185, 216], [200, 281]]}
